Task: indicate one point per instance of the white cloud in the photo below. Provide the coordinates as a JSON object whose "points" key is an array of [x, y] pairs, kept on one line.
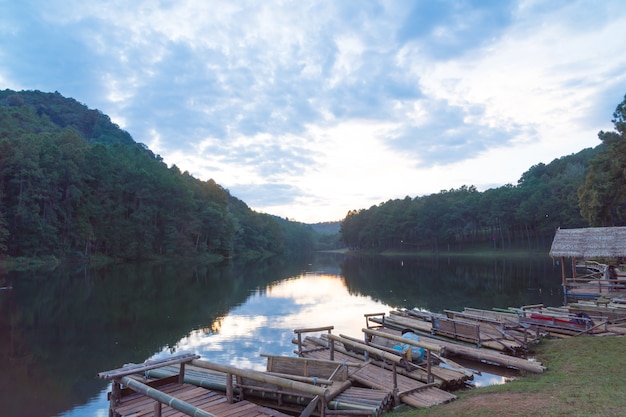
{"points": [[307, 109]]}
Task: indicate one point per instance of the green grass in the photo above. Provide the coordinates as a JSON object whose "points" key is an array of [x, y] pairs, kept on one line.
{"points": [[586, 376], [8, 263]]}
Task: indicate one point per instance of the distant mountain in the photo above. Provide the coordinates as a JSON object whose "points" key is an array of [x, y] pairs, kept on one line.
{"points": [[326, 228]]}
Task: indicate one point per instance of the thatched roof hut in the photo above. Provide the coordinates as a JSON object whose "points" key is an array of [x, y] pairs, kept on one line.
{"points": [[590, 242]]}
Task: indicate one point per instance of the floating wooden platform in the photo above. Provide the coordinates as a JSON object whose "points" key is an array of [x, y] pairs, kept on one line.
{"points": [[442, 377], [185, 385], [453, 347], [370, 401], [408, 390]]}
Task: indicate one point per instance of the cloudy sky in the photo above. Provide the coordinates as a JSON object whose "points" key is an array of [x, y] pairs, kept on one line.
{"points": [[308, 109]]}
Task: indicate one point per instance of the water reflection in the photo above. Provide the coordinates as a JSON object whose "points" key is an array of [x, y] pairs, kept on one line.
{"points": [[265, 322], [58, 329], [454, 283]]}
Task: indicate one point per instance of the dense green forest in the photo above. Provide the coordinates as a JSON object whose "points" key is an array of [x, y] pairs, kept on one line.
{"points": [[72, 183], [583, 189]]}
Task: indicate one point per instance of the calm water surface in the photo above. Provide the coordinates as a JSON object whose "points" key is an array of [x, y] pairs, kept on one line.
{"points": [[59, 328]]}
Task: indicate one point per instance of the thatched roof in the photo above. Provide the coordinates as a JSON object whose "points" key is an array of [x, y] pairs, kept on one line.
{"points": [[591, 242]]}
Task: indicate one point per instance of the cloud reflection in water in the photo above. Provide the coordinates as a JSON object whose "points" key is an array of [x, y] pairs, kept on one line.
{"points": [[264, 323]]}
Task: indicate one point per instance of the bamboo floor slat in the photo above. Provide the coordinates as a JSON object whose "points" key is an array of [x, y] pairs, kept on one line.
{"points": [[137, 405], [417, 394]]}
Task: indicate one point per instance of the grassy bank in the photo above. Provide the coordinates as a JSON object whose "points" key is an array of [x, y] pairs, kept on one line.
{"points": [[585, 377], [8, 263]]}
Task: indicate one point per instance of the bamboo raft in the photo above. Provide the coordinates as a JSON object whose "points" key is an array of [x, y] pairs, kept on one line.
{"points": [[184, 385], [386, 377], [503, 335], [171, 396], [447, 378], [350, 399], [452, 347]]}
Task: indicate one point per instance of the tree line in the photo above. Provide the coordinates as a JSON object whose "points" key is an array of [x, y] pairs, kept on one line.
{"points": [[73, 183], [583, 189]]}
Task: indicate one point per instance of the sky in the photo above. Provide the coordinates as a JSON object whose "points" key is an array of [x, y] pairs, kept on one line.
{"points": [[308, 109]]}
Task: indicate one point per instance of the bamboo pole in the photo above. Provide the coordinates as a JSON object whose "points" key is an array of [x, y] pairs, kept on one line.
{"points": [[479, 355], [378, 352], [428, 346], [148, 365], [314, 329], [306, 379], [263, 377], [162, 397], [312, 360]]}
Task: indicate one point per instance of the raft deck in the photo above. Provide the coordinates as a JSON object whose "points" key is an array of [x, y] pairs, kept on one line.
{"points": [[386, 377], [212, 402]]}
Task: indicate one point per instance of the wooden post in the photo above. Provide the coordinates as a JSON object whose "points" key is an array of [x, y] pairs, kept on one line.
{"points": [[239, 380], [229, 388], [332, 349], [299, 344], [181, 374], [396, 396], [115, 397], [367, 318], [563, 273], [429, 376]]}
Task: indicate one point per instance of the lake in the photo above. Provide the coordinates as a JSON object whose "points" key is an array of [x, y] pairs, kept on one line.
{"points": [[59, 328]]}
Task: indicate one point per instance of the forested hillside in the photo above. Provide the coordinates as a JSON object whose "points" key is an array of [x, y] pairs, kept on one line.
{"points": [[524, 215], [73, 183]]}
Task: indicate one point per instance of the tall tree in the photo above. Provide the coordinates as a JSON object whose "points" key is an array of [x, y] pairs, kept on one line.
{"points": [[603, 196]]}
